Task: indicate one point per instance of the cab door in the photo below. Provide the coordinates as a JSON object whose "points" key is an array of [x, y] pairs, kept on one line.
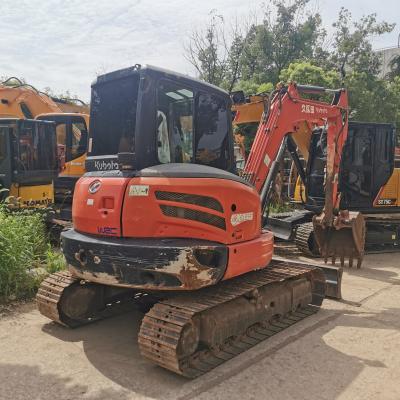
{"points": [[72, 140]]}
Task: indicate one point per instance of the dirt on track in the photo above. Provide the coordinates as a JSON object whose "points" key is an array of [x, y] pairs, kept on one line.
{"points": [[349, 350]]}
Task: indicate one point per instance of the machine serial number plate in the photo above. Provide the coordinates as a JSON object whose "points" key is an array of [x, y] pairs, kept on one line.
{"points": [[139, 190]]}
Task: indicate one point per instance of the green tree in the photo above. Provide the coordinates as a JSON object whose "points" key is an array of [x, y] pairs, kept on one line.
{"points": [[352, 48], [307, 73], [206, 50], [288, 33]]}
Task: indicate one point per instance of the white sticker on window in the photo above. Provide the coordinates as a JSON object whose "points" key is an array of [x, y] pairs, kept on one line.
{"points": [[139, 190], [237, 219]]}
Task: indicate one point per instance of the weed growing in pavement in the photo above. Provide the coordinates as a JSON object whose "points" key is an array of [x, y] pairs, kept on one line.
{"points": [[26, 256]]}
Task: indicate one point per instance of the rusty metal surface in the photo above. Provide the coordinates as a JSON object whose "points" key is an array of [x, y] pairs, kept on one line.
{"points": [[50, 293], [343, 239], [333, 277], [192, 333], [145, 264]]}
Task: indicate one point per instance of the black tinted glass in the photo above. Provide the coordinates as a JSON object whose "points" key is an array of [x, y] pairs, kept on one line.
{"points": [[212, 130], [36, 147], [113, 116]]}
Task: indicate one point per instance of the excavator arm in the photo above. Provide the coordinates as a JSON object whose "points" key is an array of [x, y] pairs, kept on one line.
{"points": [[288, 118]]}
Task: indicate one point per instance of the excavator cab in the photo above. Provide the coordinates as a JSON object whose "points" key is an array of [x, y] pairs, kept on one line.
{"points": [[28, 161], [161, 117]]}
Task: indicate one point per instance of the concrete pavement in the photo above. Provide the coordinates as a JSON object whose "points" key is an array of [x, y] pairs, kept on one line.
{"points": [[349, 350]]}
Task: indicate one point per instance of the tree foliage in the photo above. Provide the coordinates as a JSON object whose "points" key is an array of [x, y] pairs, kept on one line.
{"points": [[291, 44]]}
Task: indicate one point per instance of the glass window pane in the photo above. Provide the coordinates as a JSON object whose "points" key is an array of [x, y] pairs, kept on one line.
{"points": [[61, 132], [212, 145], [174, 123], [113, 115], [79, 139], [36, 147]]}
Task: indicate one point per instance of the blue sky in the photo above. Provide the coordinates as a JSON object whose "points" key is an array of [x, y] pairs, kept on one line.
{"points": [[63, 44]]}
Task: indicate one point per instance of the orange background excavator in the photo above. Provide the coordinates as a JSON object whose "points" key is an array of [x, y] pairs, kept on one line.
{"points": [[365, 189]]}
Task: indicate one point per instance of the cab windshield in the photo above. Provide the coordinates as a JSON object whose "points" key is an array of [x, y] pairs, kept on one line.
{"points": [[35, 146]]}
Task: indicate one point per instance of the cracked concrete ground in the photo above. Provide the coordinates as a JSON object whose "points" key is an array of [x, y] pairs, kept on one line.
{"points": [[349, 350]]}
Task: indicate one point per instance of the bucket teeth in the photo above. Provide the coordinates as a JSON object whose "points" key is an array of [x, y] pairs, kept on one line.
{"points": [[344, 239], [343, 260]]}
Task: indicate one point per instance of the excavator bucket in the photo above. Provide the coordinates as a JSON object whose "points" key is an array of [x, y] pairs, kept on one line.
{"points": [[345, 238]]}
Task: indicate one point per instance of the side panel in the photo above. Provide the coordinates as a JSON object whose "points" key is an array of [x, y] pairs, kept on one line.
{"points": [[38, 196], [219, 210], [248, 256], [389, 196]]}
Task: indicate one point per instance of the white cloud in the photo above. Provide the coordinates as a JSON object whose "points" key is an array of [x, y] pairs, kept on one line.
{"points": [[62, 44]]}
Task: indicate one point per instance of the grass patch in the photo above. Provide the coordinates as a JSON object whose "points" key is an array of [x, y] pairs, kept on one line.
{"points": [[276, 208], [26, 256]]}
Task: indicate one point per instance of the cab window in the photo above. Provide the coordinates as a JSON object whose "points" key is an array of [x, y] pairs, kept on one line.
{"points": [[212, 132], [174, 123], [78, 140], [72, 138]]}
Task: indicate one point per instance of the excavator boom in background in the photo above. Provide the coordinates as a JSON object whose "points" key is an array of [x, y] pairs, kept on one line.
{"points": [[171, 226]]}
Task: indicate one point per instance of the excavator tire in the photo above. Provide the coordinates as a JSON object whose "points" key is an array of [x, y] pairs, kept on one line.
{"points": [[192, 333]]}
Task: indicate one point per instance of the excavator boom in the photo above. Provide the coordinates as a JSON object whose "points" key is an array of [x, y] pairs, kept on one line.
{"points": [[284, 118]]}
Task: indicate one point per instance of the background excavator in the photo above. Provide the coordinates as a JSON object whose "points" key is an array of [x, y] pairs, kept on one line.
{"points": [[371, 183], [28, 162], [173, 225], [23, 101]]}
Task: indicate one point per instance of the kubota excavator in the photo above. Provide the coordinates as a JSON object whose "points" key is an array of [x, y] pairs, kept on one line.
{"points": [[175, 225], [23, 101]]}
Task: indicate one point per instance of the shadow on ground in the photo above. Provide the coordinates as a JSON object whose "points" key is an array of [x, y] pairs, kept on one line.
{"points": [[21, 382], [111, 347], [374, 266]]}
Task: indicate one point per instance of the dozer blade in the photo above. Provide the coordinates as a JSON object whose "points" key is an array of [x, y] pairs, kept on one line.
{"points": [[345, 238]]}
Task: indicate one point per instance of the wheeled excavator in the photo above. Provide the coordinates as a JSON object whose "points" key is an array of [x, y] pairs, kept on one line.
{"points": [[23, 101], [370, 181], [171, 225]]}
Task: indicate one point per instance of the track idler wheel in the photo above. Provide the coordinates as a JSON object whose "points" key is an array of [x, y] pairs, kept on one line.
{"points": [[79, 302], [344, 239]]}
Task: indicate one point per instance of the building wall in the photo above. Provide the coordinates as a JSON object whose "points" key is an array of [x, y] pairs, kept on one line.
{"points": [[387, 55]]}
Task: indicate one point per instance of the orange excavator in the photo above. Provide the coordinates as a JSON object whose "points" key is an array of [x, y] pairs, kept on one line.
{"points": [[174, 229], [370, 180]]}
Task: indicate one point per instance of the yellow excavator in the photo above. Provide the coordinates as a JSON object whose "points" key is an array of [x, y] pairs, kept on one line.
{"points": [[28, 162], [369, 162], [19, 100]]}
